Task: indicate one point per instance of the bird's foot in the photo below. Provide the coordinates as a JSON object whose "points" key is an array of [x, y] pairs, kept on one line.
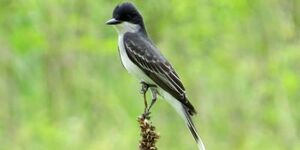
{"points": [[146, 114], [144, 90]]}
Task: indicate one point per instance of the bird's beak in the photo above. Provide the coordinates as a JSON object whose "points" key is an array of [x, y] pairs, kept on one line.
{"points": [[113, 21]]}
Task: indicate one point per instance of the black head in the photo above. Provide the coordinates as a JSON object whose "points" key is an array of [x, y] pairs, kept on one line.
{"points": [[125, 12]]}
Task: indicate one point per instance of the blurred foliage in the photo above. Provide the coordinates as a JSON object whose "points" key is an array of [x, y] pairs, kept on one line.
{"points": [[62, 85]]}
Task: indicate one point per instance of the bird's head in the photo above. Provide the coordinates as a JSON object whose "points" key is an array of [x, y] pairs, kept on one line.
{"points": [[126, 18]]}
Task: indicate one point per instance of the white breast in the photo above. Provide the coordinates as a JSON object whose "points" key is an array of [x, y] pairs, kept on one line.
{"points": [[129, 65]]}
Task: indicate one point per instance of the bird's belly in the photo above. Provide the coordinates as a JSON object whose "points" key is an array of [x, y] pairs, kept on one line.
{"points": [[130, 66]]}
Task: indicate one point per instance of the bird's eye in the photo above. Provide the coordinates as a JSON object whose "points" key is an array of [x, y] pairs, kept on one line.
{"points": [[129, 16]]}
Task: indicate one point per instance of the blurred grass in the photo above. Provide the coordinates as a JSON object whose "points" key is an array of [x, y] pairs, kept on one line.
{"points": [[62, 85]]}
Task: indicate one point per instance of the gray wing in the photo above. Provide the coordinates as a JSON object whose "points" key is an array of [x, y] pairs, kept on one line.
{"points": [[147, 57]]}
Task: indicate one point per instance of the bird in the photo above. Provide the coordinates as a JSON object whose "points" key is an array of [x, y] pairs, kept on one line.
{"points": [[143, 60]]}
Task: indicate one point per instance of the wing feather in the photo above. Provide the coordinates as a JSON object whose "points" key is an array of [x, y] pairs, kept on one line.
{"points": [[148, 58]]}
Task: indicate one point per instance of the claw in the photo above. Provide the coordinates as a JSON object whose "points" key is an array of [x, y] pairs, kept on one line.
{"points": [[146, 115]]}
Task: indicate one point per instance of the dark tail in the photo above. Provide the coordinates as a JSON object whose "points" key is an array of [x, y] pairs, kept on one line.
{"points": [[189, 122], [185, 113]]}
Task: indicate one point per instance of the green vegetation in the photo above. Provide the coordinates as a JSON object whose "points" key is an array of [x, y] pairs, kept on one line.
{"points": [[62, 86]]}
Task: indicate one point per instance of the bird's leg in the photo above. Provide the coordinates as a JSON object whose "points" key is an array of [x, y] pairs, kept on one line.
{"points": [[144, 90], [154, 98]]}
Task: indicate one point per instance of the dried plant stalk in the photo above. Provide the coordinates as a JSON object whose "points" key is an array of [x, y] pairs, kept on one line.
{"points": [[148, 134]]}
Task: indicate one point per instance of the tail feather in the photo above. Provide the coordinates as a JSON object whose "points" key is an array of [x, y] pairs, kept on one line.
{"points": [[189, 122], [185, 113]]}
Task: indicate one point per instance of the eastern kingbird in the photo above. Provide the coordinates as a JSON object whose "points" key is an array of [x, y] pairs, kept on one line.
{"points": [[142, 59]]}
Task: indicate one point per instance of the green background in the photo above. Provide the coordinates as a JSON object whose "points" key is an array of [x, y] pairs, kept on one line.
{"points": [[62, 86]]}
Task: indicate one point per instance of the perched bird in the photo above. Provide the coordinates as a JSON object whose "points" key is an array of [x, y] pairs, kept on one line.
{"points": [[142, 59]]}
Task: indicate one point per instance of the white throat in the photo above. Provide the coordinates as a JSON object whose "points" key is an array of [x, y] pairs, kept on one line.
{"points": [[127, 27]]}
